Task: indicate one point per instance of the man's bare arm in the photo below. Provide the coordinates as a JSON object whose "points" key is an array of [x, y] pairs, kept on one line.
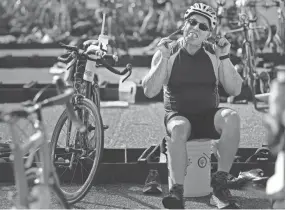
{"points": [[230, 79], [156, 77]]}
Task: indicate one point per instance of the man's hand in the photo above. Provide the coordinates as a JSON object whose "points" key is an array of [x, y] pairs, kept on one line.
{"points": [[222, 47], [163, 47]]}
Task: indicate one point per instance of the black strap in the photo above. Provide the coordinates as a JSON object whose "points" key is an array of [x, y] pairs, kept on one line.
{"points": [[224, 57]]}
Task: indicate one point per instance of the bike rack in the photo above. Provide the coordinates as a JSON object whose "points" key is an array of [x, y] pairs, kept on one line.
{"points": [[132, 165]]}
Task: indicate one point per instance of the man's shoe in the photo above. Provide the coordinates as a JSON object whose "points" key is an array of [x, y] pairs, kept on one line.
{"points": [[221, 197], [152, 183], [174, 200]]}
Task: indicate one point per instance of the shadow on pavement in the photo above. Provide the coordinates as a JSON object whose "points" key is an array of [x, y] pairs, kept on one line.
{"points": [[203, 200], [125, 195], [253, 203], [98, 204]]}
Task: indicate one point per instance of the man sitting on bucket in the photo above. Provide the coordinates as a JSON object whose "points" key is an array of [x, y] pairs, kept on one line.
{"points": [[189, 75]]}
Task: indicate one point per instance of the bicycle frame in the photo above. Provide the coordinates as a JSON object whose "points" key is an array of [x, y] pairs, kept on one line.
{"points": [[37, 148], [220, 16], [85, 85], [281, 19], [281, 23], [38, 142], [91, 87], [42, 170], [85, 82], [249, 73], [253, 13]]}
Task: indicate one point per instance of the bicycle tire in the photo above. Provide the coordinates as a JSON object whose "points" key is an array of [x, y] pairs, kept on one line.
{"points": [[95, 95], [75, 197], [60, 196]]}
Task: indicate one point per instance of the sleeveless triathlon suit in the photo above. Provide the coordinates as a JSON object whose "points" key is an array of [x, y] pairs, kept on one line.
{"points": [[192, 92]]}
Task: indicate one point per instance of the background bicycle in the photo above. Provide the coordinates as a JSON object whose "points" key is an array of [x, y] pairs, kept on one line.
{"points": [[258, 82], [35, 177], [141, 122], [79, 154], [137, 22]]}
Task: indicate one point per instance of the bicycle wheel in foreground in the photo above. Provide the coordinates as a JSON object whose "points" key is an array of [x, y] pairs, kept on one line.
{"points": [[75, 155]]}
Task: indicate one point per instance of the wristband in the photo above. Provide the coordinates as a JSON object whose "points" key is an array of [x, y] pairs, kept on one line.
{"points": [[224, 57]]}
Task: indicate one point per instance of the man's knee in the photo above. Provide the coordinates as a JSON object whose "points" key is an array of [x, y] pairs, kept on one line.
{"points": [[180, 128], [232, 118], [227, 118]]}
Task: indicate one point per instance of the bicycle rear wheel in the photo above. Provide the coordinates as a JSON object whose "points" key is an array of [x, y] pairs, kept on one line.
{"points": [[77, 159]]}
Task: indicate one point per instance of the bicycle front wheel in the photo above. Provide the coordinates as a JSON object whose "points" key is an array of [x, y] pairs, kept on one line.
{"points": [[77, 156]]}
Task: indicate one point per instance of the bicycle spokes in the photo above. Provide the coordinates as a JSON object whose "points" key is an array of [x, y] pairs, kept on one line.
{"points": [[68, 133], [75, 162]]}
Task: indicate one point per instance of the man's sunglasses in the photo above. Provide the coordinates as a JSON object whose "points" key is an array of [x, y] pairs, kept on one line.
{"points": [[202, 26]]}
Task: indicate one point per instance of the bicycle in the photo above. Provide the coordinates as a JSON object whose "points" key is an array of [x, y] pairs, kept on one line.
{"points": [[249, 74], [84, 150], [278, 36], [220, 15], [33, 179], [259, 38]]}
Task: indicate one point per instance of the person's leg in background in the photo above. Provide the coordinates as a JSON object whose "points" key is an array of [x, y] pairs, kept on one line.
{"points": [[179, 129]]}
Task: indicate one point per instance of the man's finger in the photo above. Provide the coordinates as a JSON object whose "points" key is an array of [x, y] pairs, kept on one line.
{"points": [[163, 41], [223, 42]]}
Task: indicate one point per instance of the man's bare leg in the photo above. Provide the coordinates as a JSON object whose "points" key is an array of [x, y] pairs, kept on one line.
{"points": [[227, 122], [180, 130]]}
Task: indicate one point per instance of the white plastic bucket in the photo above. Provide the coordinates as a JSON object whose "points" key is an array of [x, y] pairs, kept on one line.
{"points": [[127, 90], [198, 172]]}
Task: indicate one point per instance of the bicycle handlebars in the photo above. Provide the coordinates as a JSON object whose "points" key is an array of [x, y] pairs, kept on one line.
{"points": [[266, 5], [242, 28], [245, 25], [76, 52]]}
